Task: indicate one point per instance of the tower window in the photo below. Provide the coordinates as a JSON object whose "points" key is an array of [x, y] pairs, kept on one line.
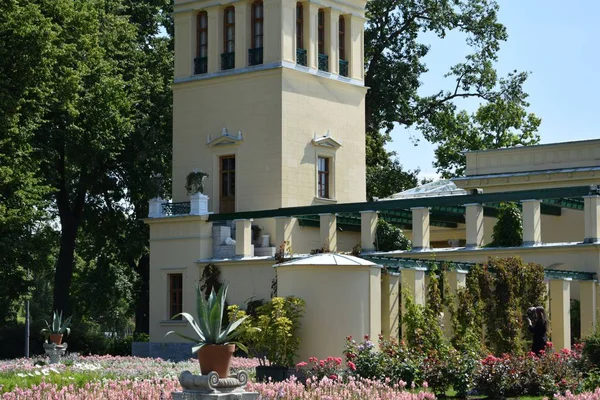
{"points": [[321, 31], [343, 68], [342, 38], [200, 63], [323, 177], [255, 53], [229, 30], [257, 24], [299, 26], [228, 56], [175, 294]]}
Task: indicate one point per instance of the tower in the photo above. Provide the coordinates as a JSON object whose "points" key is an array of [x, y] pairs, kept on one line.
{"points": [[268, 99]]}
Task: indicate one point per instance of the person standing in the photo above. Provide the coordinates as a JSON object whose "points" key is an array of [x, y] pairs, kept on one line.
{"points": [[539, 329]]}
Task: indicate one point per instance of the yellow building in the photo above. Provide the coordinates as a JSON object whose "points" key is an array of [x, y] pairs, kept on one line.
{"points": [[269, 101]]}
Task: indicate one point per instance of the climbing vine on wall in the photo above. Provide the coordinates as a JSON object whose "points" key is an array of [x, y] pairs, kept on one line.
{"points": [[508, 231], [497, 295]]}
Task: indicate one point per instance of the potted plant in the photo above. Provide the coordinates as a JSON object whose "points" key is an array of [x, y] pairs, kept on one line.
{"points": [[272, 337], [256, 231], [194, 182], [58, 328], [214, 345]]}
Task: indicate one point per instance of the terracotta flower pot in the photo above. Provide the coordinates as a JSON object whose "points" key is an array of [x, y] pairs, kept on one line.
{"points": [[56, 338], [216, 357]]}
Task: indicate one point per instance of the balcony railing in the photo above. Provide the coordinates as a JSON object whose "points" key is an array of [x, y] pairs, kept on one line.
{"points": [[301, 57], [200, 65], [255, 56], [169, 209], [323, 62], [228, 60], [343, 68]]}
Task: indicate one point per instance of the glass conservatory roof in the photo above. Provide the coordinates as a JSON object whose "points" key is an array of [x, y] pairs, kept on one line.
{"points": [[442, 187]]}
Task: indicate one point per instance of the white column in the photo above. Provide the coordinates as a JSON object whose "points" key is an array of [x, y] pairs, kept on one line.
{"points": [[332, 37], [591, 209], [242, 33], [368, 230], [420, 228], [587, 301], [532, 222], [474, 223], [243, 237], [185, 51], [413, 285], [328, 231], [390, 304], [356, 49], [456, 280], [215, 37], [283, 232], [273, 31], [311, 35], [560, 313]]}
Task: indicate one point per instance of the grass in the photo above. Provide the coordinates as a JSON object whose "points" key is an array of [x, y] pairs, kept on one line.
{"points": [[8, 382]]}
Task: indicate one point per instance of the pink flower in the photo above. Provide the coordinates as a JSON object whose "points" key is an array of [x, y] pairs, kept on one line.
{"points": [[425, 385], [351, 365], [301, 364], [333, 377]]}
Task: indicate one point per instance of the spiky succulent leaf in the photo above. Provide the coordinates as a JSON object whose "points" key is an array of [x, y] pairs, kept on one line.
{"points": [[233, 325], [194, 325], [195, 349], [240, 346], [216, 314], [202, 310]]}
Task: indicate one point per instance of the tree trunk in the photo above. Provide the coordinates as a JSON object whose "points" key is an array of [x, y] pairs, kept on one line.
{"points": [[142, 306], [64, 267]]}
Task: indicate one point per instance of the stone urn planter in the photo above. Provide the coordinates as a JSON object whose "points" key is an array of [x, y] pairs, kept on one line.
{"points": [[265, 240], [216, 357]]}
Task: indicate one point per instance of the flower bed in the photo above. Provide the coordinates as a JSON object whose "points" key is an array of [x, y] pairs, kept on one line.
{"points": [[335, 389], [77, 373]]}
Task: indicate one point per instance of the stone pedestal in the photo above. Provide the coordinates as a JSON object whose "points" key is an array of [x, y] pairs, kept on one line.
{"points": [[55, 351], [208, 387]]}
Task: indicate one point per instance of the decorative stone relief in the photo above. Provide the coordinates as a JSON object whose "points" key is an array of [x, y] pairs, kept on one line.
{"points": [[225, 139], [326, 141]]}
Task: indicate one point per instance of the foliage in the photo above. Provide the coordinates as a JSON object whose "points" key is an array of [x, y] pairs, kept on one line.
{"points": [[508, 231], [592, 380], [390, 238], [591, 348], [194, 182], [394, 68], [272, 334], [512, 376], [210, 280], [208, 328], [387, 178], [284, 253], [256, 231], [497, 296], [58, 325]]}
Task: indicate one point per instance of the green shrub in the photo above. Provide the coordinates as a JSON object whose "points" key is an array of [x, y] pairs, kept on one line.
{"points": [[508, 231], [591, 348], [390, 238]]}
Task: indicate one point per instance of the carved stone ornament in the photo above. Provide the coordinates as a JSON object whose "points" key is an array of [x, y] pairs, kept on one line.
{"points": [[225, 139], [326, 141], [210, 386]]}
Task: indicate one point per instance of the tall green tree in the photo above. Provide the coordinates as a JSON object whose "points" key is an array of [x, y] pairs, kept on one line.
{"points": [[394, 67], [25, 44], [103, 126]]}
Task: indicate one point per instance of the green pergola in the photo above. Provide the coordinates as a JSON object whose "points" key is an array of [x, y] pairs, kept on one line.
{"points": [[396, 264], [445, 211]]}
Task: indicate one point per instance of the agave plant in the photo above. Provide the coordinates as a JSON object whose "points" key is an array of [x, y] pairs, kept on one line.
{"points": [[209, 328], [58, 326]]}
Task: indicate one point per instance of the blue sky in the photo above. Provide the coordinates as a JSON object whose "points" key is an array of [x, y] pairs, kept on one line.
{"points": [[558, 42]]}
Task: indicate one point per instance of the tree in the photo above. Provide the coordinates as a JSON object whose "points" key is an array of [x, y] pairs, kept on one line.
{"points": [[101, 128], [388, 178], [394, 66], [25, 42]]}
